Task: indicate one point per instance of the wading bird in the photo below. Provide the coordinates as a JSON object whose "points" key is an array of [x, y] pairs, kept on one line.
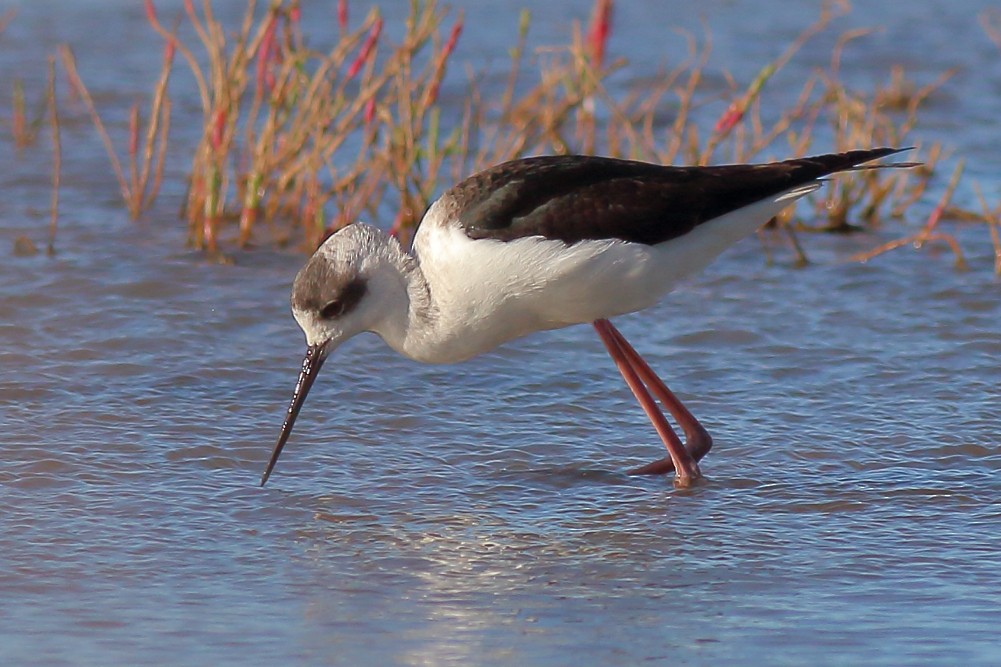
{"points": [[542, 243]]}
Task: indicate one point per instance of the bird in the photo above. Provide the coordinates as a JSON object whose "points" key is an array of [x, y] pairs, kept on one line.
{"points": [[541, 243]]}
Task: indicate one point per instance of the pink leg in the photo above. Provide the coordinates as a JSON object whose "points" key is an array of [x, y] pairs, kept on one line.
{"points": [[679, 459], [697, 440]]}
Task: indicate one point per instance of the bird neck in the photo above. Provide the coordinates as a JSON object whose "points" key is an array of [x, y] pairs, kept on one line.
{"points": [[406, 310]]}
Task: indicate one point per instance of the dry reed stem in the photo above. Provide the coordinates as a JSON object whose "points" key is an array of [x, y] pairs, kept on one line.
{"points": [[69, 66], [6, 18], [56, 156], [136, 190], [987, 21], [936, 214], [684, 133], [993, 219], [737, 109], [22, 132], [929, 231], [186, 53], [143, 190]]}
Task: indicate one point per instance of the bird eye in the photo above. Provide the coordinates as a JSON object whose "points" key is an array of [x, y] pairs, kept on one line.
{"points": [[332, 309], [345, 300]]}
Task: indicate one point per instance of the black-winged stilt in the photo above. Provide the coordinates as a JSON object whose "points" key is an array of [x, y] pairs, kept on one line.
{"points": [[542, 243]]}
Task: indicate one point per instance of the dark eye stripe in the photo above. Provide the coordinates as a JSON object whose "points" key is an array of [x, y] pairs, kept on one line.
{"points": [[346, 301], [332, 310]]}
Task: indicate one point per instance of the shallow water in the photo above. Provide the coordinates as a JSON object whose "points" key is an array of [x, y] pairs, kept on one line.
{"points": [[479, 513]]}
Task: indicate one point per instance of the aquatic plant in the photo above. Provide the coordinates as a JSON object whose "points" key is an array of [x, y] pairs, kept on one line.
{"points": [[307, 140], [145, 172]]}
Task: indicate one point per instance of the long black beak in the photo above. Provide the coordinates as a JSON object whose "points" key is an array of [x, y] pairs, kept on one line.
{"points": [[311, 364]]}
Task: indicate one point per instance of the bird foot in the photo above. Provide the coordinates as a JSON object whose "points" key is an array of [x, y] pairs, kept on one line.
{"points": [[666, 465]]}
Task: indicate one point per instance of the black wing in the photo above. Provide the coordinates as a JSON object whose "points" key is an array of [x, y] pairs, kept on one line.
{"points": [[575, 197]]}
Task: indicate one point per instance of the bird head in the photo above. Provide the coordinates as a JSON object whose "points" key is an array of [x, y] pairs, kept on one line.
{"points": [[338, 294]]}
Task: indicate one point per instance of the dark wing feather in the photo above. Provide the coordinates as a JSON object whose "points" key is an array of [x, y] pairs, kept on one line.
{"points": [[574, 198]]}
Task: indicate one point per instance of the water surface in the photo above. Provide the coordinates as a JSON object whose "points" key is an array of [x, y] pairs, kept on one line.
{"points": [[479, 514]]}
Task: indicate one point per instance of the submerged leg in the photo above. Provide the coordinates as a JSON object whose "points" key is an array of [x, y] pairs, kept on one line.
{"points": [[637, 376]]}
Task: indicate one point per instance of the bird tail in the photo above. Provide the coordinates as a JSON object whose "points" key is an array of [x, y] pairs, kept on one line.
{"points": [[858, 160]]}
